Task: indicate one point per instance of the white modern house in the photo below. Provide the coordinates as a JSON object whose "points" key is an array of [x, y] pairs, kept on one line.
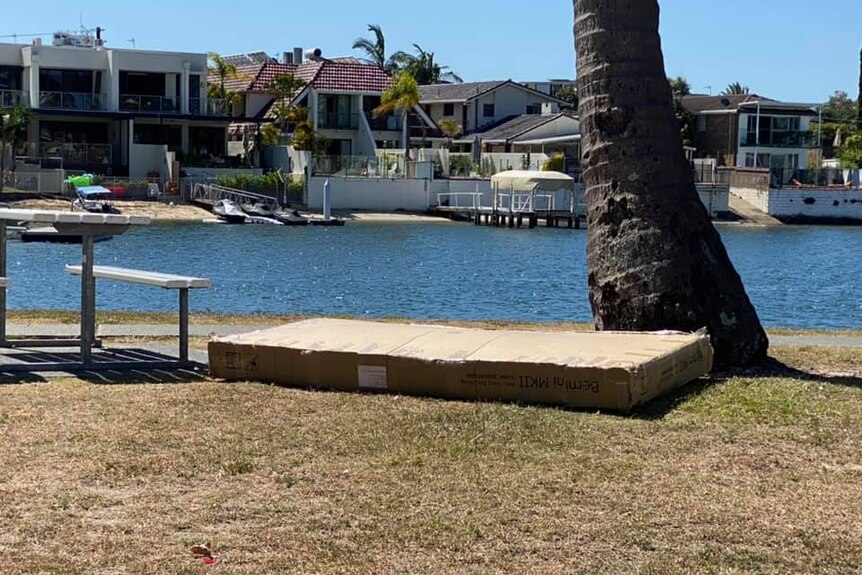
{"points": [[751, 131], [113, 111]]}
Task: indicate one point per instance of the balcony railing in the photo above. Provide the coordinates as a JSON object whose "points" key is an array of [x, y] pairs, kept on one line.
{"points": [[218, 107], [338, 121], [72, 101], [84, 154], [391, 166], [384, 123], [780, 140], [151, 104], [13, 98]]}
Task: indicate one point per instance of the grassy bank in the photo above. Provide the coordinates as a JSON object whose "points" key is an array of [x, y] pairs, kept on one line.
{"points": [[756, 472], [119, 317]]}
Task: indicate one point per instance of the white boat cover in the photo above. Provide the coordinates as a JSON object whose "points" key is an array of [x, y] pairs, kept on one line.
{"points": [[524, 181]]}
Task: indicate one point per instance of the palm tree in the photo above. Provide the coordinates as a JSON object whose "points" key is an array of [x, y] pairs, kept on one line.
{"points": [[859, 101], [222, 71], [284, 88], [735, 89], [654, 259], [423, 67], [401, 95], [679, 86], [450, 128], [14, 123], [375, 51]]}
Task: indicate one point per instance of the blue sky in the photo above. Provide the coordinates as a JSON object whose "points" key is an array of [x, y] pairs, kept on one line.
{"points": [[794, 50]]}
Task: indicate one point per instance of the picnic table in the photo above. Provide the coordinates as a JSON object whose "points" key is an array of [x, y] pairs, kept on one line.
{"points": [[86, 225]]}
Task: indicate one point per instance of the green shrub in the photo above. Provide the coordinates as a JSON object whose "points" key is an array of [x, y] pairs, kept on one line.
{"points": [[555, 163]]}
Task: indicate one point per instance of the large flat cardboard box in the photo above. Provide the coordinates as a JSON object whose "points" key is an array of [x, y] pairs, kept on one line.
{"points": [[609, 370]]}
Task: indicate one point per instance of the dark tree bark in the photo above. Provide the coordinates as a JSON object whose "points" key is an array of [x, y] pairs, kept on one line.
{"points": [[655, 260]]}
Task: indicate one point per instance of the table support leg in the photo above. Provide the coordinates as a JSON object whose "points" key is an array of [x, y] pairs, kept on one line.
{"points": [[184, 325], [88, 300]]}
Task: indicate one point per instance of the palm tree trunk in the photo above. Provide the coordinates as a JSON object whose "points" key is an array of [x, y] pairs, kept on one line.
{"points": [[655, 261], [404, 136]]}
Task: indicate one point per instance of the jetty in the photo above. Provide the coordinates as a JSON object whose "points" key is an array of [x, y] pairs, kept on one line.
{"points": [[519, 198]]}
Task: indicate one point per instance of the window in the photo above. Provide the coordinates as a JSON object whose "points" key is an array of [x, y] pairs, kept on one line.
{"points": [[749, 159], [534, 109], [700, 124], [448, 110], [488, 110]]}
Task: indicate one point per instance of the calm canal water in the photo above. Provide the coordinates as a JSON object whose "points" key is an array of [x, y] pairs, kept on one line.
{"points": [[804, 277]]}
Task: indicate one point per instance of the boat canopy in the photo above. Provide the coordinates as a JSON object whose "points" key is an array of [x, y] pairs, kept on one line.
{"points": [[524, 181], [93, 191]]}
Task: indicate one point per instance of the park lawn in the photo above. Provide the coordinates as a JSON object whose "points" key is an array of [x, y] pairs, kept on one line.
{"points": [[758, 472]]}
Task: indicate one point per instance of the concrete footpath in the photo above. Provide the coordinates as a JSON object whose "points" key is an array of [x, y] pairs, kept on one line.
{"points": [[221, 330]]}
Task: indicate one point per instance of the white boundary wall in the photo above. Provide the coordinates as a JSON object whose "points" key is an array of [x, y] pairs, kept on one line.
{"points": [[815, 204], [715, 198]]}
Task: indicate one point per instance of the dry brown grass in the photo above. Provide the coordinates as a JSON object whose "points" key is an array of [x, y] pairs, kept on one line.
{"points": [[752, 473]]}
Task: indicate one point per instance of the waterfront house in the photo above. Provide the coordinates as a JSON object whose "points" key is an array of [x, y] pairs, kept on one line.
{"points": [[113, 111], [751, 131], [476, 106], [340, 94]]}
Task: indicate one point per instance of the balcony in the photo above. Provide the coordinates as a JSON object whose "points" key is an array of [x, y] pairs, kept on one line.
{"points": [[149, 104], [78, 154], [338, 121], [384, 123], [779, 140], [217, 107], [14, 98], [72, 101]]}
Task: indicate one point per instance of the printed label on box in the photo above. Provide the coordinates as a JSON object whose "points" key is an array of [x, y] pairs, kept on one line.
{"points": [[373, 377]]}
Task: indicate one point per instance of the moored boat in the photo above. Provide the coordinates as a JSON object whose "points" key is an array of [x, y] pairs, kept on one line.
{"points": [[95, 199], [228, 211]]}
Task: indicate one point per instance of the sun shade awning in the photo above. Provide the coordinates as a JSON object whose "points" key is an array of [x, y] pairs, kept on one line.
{"points": [[524, 181]]}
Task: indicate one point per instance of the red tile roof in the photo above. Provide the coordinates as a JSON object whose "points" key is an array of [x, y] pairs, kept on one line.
{"points": [[323, 75]]}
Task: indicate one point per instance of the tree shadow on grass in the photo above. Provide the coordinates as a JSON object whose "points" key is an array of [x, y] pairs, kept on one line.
{"points": [[660, 407]]}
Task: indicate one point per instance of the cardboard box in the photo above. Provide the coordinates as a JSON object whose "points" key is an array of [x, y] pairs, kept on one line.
{"points": [[589, 370]]}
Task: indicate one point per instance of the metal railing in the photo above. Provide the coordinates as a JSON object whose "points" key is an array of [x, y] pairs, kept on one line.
{"points": [[460, 200], [212, 193], [338, 121], [46, 182], [153, 104], [359, 166], [779, 178], [387, 123], [72, 101], [218, 107], [13, 98], [779, 140], [84, 154]]}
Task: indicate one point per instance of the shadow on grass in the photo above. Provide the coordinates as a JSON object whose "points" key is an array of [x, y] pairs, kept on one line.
{"points": [[115, 366], [769, 368]]}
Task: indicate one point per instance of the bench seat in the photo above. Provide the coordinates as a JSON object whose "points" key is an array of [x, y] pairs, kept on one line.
{"points": [[156, 279], [167, 281]]}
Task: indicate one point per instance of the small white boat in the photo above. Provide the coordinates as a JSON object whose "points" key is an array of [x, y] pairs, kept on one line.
{"points": [[95, 199], [228, 211]]}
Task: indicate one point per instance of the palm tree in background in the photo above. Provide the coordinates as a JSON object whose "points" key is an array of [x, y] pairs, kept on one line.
{"points": [[424, 68], [375, 50], [222, 71], [14, 123], [402, 95], [450, 128], [654, 259], [735, 89], [859, 101]]}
